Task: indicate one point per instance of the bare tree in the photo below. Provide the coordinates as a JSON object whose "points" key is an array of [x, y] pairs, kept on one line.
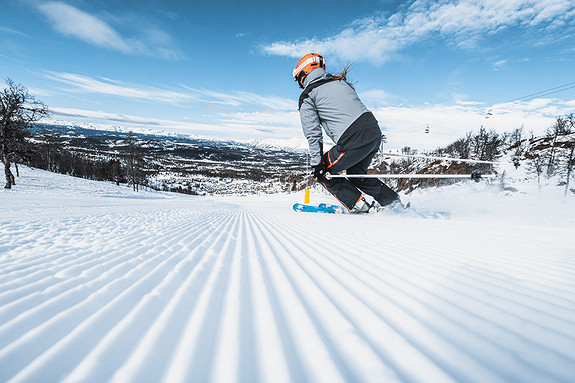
{"points": [[460, 148], [566, 125], [18, 112], [535, 164], [486, 144], [570, 165], [562, 127], [515, 141], [133, 162]]}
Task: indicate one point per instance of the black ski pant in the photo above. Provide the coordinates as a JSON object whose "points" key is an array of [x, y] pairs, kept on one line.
{"points": [[355, 161]]}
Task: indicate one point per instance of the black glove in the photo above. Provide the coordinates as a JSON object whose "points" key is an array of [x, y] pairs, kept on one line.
{"points": [[319, 170]]}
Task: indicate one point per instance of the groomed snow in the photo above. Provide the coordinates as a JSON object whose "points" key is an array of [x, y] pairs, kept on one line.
{"points": [[99, 283]]}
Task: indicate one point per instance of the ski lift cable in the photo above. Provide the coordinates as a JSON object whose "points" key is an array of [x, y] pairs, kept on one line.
{"points": [[548, 93], [553, 90], [529, 97]]}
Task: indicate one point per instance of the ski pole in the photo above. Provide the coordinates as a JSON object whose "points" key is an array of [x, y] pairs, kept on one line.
{"points": [[439, 158], [473, 176]]}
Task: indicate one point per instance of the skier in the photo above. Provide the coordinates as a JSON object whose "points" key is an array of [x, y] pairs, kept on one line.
{"points": [[330, 102]]}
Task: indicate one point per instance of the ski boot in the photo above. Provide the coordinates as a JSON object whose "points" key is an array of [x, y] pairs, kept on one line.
{"points": [[361, 207]]}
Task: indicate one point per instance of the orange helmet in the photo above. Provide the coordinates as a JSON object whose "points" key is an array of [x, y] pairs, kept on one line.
{"points": [[305, 65]]}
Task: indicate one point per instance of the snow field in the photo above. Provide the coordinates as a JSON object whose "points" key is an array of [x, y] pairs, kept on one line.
{"points": [[98, 283]]}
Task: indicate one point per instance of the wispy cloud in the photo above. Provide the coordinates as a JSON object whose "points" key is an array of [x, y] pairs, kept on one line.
{"points": [[462, 22], [237, 98], [12, 31], [104, 116], [184, 98], [87, 84], [499, 64], [188, 95], [73, 22], [379, 97], [284, 119]]}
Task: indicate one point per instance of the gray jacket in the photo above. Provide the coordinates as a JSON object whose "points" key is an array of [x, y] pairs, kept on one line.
{"points": [[333, 106]]}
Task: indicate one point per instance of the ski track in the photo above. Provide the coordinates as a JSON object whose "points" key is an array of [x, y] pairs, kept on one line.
{"points": [[244, 294]]}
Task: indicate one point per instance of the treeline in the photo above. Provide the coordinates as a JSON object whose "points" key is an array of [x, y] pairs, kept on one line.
{"points": [[56, 158], [552, 148], [550, 155], [47, 151]]}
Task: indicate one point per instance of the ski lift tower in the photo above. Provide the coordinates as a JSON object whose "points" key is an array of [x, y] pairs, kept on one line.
{"points": [[383, 141]]}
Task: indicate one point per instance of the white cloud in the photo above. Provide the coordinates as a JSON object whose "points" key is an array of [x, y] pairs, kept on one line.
{"points": [[12, 31], [73, 22], [117, 88], [463, 22], [237, 98], [405, 125], [275, 119], [499, 64], [377, 97], [98, 116], [81, 83]]}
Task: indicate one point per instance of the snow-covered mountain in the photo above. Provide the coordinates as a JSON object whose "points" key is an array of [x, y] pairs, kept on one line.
{"points": [[100, 283], [293, 144]]}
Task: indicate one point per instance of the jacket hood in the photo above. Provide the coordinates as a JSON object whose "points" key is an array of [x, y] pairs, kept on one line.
{"points": [[314, 75]]}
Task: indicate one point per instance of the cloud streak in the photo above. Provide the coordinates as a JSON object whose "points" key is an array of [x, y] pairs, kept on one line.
{"points": [[462, 22], [75, 23], [105, 86], [189, 95], [238, 98]]}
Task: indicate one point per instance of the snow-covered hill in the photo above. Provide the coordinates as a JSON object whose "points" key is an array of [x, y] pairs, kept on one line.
{"points": [[99, 283]]}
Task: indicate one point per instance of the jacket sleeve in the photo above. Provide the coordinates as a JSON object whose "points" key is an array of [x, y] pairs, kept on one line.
{"points": [[310, 124]]}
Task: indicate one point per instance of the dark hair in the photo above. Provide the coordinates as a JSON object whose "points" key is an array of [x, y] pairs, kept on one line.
{"points": [[343, 75]]}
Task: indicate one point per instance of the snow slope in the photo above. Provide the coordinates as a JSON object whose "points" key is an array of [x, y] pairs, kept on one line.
{"points": [[98, 283]]}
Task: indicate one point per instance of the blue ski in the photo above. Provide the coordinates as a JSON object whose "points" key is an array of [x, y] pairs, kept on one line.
{"points": [[321, 208]]}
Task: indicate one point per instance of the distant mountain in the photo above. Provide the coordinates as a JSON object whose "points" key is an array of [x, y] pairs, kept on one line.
{"points": [[292, 144]]}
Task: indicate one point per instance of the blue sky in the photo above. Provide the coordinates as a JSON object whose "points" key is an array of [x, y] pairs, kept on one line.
{"points": [[223, 68]]}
